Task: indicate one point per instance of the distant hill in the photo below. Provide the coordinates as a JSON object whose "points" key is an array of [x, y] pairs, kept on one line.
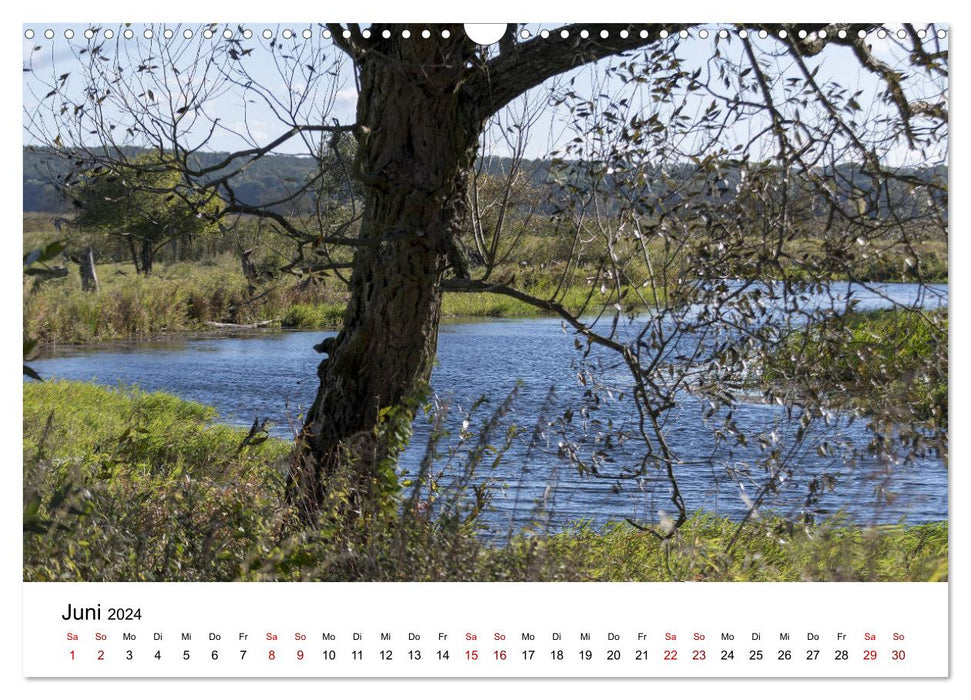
{"points": [[275, 178]]}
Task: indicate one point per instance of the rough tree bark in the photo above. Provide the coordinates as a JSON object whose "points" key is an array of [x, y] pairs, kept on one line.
{"points": [[417, 139]]}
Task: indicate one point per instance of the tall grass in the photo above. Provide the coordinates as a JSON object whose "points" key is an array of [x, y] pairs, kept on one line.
{"points": [[185, 297], [178, 297]]}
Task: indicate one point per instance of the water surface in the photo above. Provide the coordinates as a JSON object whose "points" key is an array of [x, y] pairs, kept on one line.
{"points": [[273, 375]]}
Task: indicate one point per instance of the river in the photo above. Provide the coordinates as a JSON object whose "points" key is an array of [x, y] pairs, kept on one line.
{"points": [[272, 375]]}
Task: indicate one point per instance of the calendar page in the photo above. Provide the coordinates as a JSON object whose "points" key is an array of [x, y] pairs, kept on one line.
{"points": [[538, 350]]}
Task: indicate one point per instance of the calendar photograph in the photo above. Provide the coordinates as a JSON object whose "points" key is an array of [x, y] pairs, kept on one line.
{"points": [[485, 303]]}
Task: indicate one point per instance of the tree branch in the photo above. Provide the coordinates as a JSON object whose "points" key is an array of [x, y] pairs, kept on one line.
{"points": [[463, 285], [515, 71], [523, 66], [255, 153]]}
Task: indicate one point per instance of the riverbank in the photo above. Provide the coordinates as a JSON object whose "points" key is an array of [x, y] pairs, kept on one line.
{"points": [[124, 485], [209, 287], [187, 298]]}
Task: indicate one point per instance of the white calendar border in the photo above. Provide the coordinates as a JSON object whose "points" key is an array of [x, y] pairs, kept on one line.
{"points": [[495, 10]]}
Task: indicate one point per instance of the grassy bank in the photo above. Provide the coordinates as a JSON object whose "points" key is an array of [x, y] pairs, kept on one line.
{"points": [[125, 485], [186, 297], [177, 298]]}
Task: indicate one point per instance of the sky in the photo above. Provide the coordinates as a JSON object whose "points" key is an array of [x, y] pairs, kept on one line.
{"points": [[238, 117]]}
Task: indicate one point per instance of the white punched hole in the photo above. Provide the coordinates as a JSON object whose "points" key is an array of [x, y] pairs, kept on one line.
{"points": [[485, 34]]}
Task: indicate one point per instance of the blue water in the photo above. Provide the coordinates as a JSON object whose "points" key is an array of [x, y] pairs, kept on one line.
{"points": [[273, 375]]}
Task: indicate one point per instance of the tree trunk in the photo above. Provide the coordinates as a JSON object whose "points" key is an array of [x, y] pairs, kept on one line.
{"points": [[134, 253], [417, 143], [148, 257], [249, 269], [89, 278]]}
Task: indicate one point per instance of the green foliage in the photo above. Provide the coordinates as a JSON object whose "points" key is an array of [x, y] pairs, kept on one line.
{"points": [[122, 485], [768, 550], [35, 265], [145, 201], [268, 179], [39, 256]]}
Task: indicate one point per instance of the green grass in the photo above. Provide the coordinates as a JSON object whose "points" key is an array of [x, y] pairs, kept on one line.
{"points": [[771, 550], [126, 485], [322, 315], [123, 485], [576, 299]]}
